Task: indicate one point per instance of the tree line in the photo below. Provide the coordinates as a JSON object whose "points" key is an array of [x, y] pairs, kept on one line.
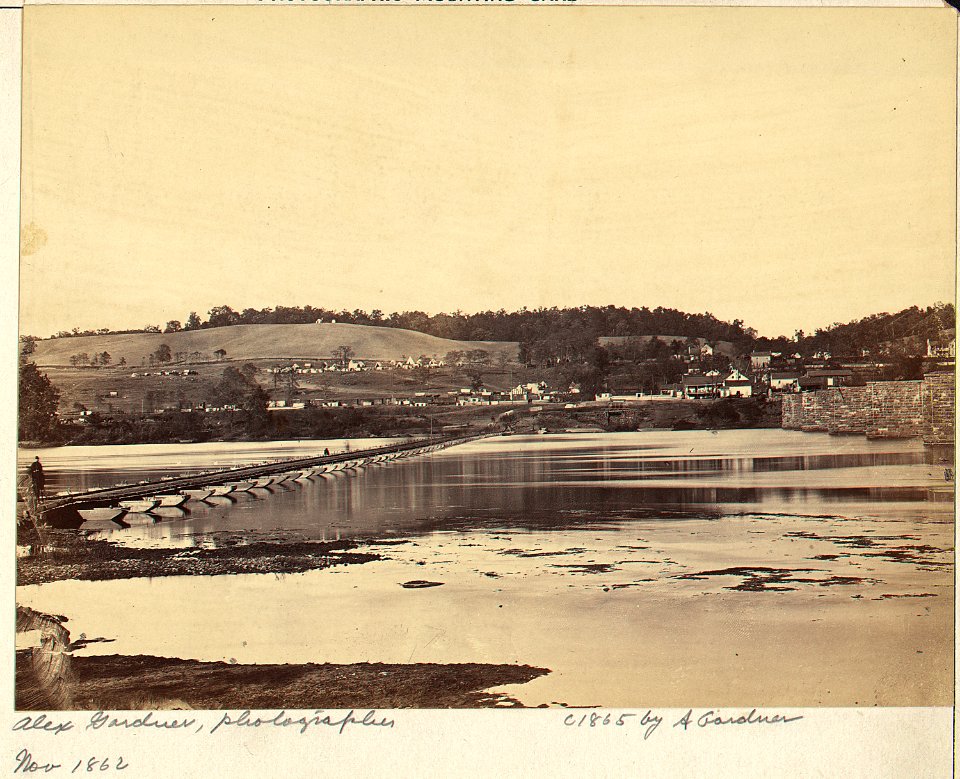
{"points": [[569, 336], [525, 325]]}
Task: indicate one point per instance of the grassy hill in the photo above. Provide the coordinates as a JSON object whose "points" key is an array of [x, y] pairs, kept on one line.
{"points": [[267, 342]]}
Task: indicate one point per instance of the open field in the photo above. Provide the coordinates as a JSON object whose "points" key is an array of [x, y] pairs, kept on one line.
{"points": [[259, 342]]}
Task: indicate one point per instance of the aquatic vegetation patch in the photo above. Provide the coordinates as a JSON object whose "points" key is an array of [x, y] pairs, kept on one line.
{"points": [[559, 552], [587, 567], [764, 579], [888, 548]]}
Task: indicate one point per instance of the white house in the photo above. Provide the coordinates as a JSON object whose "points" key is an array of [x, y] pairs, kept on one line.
{"points": [[736, 385]]}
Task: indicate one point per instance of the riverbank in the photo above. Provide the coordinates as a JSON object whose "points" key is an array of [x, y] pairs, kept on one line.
{"points": [[402, 421], [51, 675]]}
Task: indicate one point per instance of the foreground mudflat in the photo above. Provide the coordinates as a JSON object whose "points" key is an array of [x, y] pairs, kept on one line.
{"points": [[68, 555], [123, 683]]}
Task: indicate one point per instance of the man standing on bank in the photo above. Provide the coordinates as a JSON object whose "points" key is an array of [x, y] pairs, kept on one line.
{"points": [[37, 477]]}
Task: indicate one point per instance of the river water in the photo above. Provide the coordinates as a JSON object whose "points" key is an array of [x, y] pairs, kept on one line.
{"points": [[643, 569]]}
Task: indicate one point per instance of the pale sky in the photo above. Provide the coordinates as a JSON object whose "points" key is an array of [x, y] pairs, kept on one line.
{"points": [[786, 167]]}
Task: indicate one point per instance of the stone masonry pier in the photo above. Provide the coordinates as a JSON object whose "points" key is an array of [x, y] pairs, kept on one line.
{"points": [[881, 409]]}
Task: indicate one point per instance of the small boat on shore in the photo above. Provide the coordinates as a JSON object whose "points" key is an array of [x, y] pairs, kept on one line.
{"points": [[200, 493], [171, 501], [221, 490], [106, 514], [139, 506]]}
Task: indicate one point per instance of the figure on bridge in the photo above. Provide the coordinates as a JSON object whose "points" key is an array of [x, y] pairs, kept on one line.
{"points": [[37, 477]]}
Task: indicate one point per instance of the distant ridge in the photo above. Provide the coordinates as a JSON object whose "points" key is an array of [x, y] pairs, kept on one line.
{"points": [[266, 342]]}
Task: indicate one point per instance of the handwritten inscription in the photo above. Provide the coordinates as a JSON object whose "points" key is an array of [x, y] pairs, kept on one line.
{"points": [[27, 764], [717, 718], [650, 721], [42, 724], [281, 720], [101, 719]]}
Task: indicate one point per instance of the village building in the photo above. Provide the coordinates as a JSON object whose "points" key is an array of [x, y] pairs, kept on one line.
{"points": [[784, 381], [736, 385], [699, 387], [942, 351], [825, 378]]}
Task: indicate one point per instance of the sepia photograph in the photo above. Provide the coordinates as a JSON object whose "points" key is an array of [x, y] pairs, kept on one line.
{"points": [[375, 359]]}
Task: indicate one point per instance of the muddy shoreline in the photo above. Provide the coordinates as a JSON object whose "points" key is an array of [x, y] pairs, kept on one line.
{"points": [[70, 555]]}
